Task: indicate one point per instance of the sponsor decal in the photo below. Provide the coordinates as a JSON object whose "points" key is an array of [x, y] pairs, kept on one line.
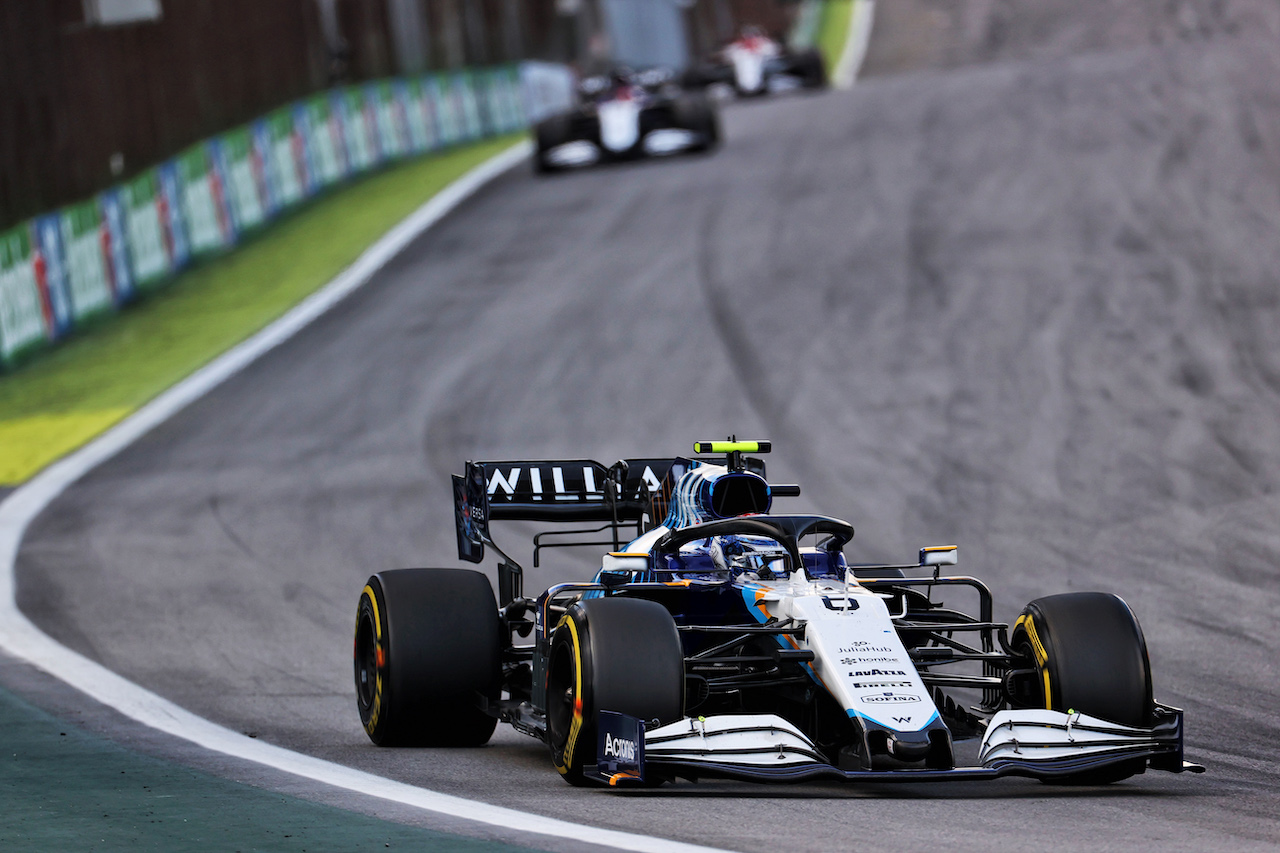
{"points": [[855, 661], [860, 673], [619, 748], [888, 698], [881, 685], [576, 480], [862, 647]]}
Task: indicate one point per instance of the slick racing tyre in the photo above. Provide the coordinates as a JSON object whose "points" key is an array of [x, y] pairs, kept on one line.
{"points": [[1089, 656], [610, 654], [428, 645], [549, 133], [696, 114], [813, 74]]}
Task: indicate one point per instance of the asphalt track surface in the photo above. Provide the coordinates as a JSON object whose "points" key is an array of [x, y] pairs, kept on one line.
{"points": [[1019, 300]]}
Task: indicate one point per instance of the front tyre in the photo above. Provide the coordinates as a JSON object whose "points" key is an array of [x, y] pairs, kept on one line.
{"points": [[609, 654], [1090, 656], [549, 133], [428, 645]]}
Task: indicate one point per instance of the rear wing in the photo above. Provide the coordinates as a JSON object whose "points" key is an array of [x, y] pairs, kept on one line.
{"points": [[629, 491]]}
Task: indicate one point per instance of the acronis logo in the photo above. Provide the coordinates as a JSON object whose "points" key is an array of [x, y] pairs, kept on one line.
{"points": [[620, 749]]}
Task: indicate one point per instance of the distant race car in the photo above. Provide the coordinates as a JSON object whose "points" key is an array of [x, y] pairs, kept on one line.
{"points": [[624, 116], [754, 64], [719, 639]]}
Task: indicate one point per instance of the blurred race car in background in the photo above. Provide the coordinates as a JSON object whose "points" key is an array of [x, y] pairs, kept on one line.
{"points": [[626, 115], [754, 64], [718, 639]]}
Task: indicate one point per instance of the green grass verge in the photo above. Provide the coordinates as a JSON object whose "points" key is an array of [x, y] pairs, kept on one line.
{"points": [[65, 396], [833, 30], [62, 788]]}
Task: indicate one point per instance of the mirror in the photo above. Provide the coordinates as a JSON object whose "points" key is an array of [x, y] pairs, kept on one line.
{"points": [[938, 555]]}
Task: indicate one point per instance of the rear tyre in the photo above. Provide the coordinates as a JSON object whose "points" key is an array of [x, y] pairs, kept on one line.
{"points": [[610, 654], [428, 645], [1091, 657], [696, 114], [813, 73]]}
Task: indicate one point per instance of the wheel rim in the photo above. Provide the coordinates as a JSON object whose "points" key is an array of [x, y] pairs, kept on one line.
{"points": [[561, 695], [366, 660]]}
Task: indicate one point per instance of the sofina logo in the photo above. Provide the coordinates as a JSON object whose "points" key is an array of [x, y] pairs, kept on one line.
{"points": [[890, 698]]}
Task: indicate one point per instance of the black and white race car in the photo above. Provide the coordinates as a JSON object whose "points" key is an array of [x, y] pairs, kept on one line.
{"points": [[754, 64], [721, 639], [624, 116]]}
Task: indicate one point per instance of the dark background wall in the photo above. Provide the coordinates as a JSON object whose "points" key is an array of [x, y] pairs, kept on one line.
{"points": [[84, 105]]}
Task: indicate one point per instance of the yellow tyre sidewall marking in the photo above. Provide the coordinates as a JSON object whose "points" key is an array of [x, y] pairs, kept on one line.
{"points": [[1042, 656], [575, 728], [375, 709]]}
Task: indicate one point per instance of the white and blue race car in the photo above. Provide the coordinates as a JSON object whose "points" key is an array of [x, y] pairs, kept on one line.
{"points": [[721, 639], [624, 116], [754, 64]]}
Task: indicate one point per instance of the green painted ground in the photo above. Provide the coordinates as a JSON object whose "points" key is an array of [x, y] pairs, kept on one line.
{"points": [[833, 30], [67, 395], [64, 789]]}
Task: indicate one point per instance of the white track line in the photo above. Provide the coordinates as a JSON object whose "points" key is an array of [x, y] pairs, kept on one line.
{"points": [[22, 639], [855, 44]]}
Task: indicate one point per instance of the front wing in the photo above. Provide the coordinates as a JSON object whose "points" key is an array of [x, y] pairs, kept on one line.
{"points": [[766, 748]]}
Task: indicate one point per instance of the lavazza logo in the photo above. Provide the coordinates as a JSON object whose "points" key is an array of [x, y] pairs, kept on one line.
{"points": [[620, 748], [866, 672]]}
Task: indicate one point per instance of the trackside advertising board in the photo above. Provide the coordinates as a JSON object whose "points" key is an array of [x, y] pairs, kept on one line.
{"points": [[115, 243], [238, 160], [359, 129], [24, 315], [448, 112], [420, 115], [204, 200], [144, 228], [72, 265], [84, 241], [51, 272], [285, 145]]}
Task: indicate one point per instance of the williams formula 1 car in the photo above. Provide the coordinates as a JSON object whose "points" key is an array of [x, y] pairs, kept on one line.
{"points": [[720, 639], [755, 64], [625, 116]]}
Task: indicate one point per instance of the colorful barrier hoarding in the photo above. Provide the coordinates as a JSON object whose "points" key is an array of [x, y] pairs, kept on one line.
{"points": [[390, 119], [284, 140], [144, 228], [24, 315], [359, 129], [449, 119], [464, 91], [51, 272], [88, 274], [64, 268], [115, 244], [173, 225], [501, 88], [546, 88], [420, 115], [326, 147], [204, 202], [237, 159]]}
